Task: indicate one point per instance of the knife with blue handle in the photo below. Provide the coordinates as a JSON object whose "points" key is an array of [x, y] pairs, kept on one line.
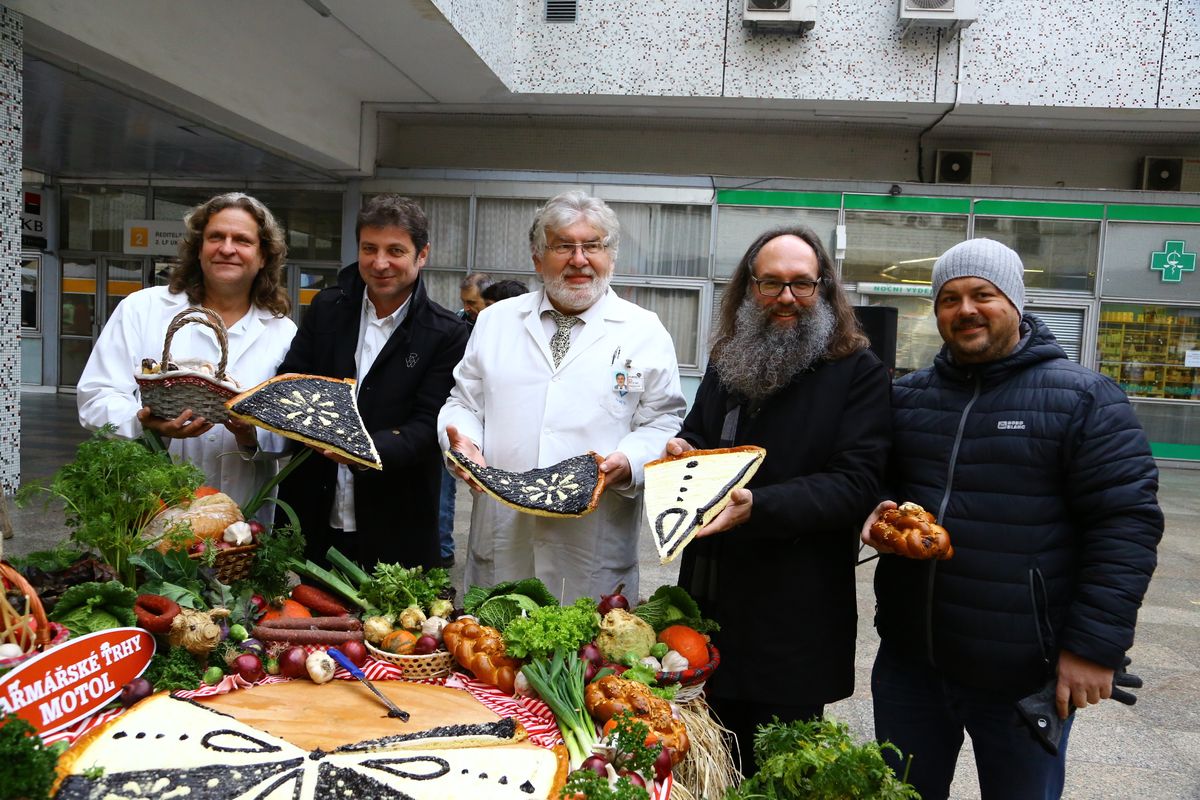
{"points": [[348, 665]]}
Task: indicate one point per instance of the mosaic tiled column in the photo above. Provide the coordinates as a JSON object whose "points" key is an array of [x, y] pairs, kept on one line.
{"points": [[11, 42]]}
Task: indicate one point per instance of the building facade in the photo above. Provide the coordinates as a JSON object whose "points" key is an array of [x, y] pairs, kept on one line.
{"points": [[1069, 131]]}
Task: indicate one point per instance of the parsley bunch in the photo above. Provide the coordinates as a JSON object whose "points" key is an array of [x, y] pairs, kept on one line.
{"points": [[583, 783], [26, 763], [817, 759]]}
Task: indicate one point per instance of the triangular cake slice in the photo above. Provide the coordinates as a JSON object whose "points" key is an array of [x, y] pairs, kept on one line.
{"points": [[685, 492], [570, 488], [312, 409]]}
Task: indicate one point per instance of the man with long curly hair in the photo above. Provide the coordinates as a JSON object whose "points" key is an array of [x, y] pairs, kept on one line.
{"points": [[790, 371]]}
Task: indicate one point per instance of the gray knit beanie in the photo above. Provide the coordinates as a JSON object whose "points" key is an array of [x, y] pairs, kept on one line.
{"points": [[987, 259]]}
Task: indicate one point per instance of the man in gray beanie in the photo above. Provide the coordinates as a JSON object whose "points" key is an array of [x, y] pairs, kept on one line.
{"points": [[1043, 477]]}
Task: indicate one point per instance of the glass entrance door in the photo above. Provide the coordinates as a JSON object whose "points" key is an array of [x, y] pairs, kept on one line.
{"points": [[91, 289]]}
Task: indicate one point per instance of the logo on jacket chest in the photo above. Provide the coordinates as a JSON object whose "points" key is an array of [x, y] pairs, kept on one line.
{"points": [[1010, 425], [411, 361]]}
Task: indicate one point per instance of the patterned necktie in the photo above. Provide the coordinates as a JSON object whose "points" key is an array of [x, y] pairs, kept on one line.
{"points": [[561, 340]]}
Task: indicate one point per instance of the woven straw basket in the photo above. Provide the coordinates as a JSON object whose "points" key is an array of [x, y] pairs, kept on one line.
{"points": [[170, 393], [416, 668], [233, 563], [26, 627]]}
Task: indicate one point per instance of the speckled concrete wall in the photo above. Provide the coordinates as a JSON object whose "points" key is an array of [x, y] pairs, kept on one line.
{"points": [[11, 45], [486, 25], [1103, 53]]}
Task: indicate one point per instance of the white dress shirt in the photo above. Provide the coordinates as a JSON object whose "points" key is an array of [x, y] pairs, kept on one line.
{"points": [[373, 334]]}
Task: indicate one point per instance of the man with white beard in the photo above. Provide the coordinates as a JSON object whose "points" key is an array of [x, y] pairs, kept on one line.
{"points": [[790, 371], [538, 385]]}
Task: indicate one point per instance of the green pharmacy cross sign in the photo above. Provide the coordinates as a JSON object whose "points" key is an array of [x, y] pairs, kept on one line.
{"points": [[1172, 261]]}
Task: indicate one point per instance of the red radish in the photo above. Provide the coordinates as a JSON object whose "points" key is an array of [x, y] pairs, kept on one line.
{"points": [[249, 667], [596, 764], [425, 645], [256, 528], [291, 663], [198, 547], [662, 764], [356, 652]]}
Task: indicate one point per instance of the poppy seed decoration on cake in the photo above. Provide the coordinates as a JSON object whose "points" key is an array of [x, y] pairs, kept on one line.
{"points": [[570, 488], [686, 492], [312, 409]]}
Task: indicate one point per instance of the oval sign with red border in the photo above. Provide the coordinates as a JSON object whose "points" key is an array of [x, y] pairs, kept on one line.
{"points": [[75, 679]]}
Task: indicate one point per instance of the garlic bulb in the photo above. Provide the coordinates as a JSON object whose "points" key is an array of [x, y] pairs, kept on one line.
{"points": [[238, 534]]}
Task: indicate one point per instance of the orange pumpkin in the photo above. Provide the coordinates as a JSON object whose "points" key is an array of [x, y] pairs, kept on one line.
{"points": [[205, 491], [688, 642], [400, 642], [287, 610]]}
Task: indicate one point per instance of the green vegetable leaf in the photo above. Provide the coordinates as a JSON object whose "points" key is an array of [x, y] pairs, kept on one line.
{"points": [[174, 669], [499, 611], [94, 606], [672, 605], [394, 587], [550, 628], [171, 574], [532, 588]]}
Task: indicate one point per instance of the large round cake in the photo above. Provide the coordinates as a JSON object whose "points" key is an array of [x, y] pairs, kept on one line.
{"points": [[299, 740]]}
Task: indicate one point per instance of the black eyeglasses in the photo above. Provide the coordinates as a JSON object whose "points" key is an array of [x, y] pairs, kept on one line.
{"points": [[773, 288]]}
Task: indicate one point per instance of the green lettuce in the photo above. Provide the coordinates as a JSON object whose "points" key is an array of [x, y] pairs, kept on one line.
{"points": [[95, 606]]}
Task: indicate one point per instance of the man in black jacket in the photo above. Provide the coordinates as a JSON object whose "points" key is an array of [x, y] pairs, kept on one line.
{"points": [[379, 326], [1043, 477], [791, 372]]}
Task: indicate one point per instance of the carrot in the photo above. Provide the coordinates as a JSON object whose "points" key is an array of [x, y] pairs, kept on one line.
{"points": [[318, 601], [305, 636], [313, 623]]}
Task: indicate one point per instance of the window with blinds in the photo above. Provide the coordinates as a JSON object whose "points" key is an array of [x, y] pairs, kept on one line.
{"points": [[1067, 326]]}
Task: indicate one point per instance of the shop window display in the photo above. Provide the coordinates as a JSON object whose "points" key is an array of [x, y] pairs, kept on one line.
{"points": [[1057, 254], [1147, 349]]}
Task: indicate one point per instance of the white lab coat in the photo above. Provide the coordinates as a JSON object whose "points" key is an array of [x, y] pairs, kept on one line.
{"points": [[108, 392], [523, 413]]}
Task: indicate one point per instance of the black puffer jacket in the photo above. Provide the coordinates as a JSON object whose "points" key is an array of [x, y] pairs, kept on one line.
{"points": [[1042, 474]]}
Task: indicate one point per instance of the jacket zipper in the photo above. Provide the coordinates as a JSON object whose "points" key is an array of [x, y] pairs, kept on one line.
{"points": [[941, 515]]}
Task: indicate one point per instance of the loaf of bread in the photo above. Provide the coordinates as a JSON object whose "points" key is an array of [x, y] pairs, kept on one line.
{"points": [[480, 649], [913, 532], [611, 695]]}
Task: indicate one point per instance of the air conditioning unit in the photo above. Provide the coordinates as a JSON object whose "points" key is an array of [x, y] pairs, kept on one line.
{"points": [[953, 15], [780, 16], [963, 166], [1170, 174]]}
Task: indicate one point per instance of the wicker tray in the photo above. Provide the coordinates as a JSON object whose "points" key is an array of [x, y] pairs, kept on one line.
{"points": [[416, 668], [691, 681], [233, 563], [26, 626], [170, 393]]}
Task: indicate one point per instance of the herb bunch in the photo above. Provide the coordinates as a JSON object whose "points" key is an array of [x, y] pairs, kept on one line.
{"points": [[112, 490], [550, 628]]}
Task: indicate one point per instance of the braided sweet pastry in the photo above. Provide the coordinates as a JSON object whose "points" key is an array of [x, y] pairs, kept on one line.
{"points": [[913, 532]]}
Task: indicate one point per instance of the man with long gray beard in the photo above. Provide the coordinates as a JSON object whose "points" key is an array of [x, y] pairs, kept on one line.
{"points": [[790, 371], [538, 385]]}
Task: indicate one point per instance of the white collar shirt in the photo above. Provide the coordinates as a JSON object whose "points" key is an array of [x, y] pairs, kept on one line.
{"points": [[373, 334]]}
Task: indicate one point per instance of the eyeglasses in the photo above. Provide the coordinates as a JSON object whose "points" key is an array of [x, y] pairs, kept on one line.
{"points": [[773, 288], [568, 248]]}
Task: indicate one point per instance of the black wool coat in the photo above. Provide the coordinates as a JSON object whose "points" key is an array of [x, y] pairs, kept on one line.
{"points": [[399, 400], [783, 587]]}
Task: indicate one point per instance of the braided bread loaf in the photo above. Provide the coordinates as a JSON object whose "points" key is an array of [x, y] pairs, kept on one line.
{"points": [[913, 532], [481, 650], [610, 695]]}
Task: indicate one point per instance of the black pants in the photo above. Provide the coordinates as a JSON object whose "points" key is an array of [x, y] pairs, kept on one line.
{"points": [[743, 717]]}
